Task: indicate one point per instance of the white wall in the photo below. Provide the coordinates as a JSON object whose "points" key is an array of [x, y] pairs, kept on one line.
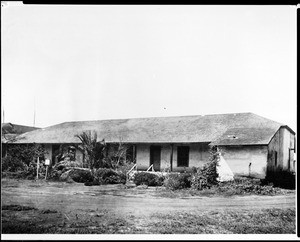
{"points": [[238, 159], [198, 155], [142, 156]]}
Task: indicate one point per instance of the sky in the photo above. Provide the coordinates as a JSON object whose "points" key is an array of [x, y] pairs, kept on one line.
{"points": [[80, 62]]}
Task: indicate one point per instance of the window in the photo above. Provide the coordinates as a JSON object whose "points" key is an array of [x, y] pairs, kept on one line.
{"points": [[275, 153], [183, 156]]}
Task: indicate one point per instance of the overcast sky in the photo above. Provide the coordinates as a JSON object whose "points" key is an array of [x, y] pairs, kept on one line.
{"points": [[109, 62]]}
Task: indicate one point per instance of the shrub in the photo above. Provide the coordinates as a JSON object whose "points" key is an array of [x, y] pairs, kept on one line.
{"points": [[125, 167], [199, 181], [31, 170], [54, 174], [206, 176], [246, 186], [66, 163], [81, 176], [147, 178], [12, 164], [109, 176], [26, 153], [176, 181], [14, 175], [281, 178]]}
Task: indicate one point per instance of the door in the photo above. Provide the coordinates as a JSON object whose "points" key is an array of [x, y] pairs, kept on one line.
{"points": [[183, 156], [55, 154], [155, 151]]}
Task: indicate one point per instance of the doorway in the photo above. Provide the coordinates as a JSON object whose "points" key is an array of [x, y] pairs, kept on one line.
{"points": [[155, 154]]}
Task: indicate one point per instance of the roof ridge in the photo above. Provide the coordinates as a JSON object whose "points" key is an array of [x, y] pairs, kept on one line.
{"points": [[120, 119], [268, 119]]}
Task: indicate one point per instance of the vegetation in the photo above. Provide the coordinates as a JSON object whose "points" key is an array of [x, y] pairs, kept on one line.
{"points": [[200, 178], [266, 221], [206, 176], [175, 181], [93, 149], [109, 176], [81, 176], [118, 154], [30, 220], [281, 178], [23, 159], [149, 179], [12, 164]]}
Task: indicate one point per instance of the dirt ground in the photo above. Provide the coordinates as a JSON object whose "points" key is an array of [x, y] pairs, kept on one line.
{"points": [[74, 208]]}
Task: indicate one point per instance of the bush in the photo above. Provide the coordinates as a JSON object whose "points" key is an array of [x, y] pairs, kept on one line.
{"points": [[109, 176], [12, 164], [66, 163], [147, 178], [176, 181], [54, 174], [206, 176], [25, 153], [246, 186], [125, 167], [79, 175], [199, 182], [281, 178], [14, 175], [31, 170]]}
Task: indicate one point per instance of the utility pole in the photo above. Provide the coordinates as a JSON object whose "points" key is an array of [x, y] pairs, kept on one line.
{"points": [[34, 113]]}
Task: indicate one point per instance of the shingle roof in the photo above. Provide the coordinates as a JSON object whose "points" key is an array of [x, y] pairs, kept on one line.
{"points": [[249, 128]]}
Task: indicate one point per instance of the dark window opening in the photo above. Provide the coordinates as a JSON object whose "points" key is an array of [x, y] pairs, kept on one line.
{"points": [[130, 153], [183, 156], [155, 157], [275, 153]]}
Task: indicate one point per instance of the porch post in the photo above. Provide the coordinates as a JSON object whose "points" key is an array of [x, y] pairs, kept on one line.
{"points": [[171, 157], [133, 153]]}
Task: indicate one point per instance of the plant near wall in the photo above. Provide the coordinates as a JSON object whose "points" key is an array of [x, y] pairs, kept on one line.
{"points": [[39, 153], [93, 149], [206, 176], [119, 154], [11, 164], [149, 179], [24, 157], [21, 153], [175, 181]]}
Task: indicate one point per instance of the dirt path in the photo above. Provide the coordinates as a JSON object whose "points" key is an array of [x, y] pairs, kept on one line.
{"points": [[78, 198], [56, 207]]}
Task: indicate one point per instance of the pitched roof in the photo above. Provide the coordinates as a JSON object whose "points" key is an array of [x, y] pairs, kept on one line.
{"points": [[249, 128], [9, 128], [9, 131]]}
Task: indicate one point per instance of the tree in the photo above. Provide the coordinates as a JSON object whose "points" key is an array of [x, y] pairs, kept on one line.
{"points": [[26, 153], [93, 149], [119, 154]]}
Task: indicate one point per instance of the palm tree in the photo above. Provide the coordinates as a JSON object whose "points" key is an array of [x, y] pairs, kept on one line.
{"points": [[93, 149]]}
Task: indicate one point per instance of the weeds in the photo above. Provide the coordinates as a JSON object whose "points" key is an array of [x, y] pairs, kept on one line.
{"points": [[266, 221]]}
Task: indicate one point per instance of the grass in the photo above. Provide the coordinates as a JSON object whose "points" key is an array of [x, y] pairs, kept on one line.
{"points": [[267, 221], [28, 220]]}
